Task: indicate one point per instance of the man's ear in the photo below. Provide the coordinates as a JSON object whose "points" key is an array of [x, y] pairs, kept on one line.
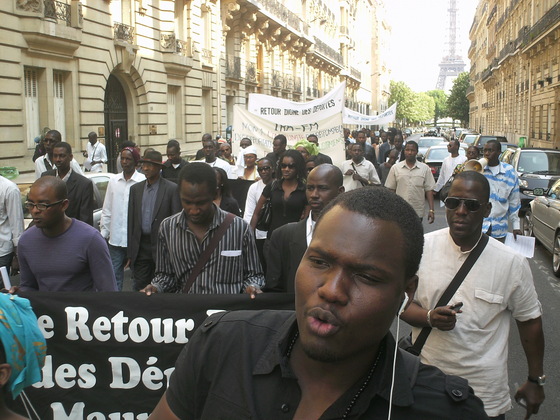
{"points": [[488, 209], [5, 373], [411, 286]]}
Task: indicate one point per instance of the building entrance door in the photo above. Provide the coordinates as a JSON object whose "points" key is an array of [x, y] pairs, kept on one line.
{"points": [[116, 120]]}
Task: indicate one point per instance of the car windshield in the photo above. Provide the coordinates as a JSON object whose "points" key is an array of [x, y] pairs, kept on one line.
{"points": [[469, 138], [440, 153], [429, 142], [539, 162]]}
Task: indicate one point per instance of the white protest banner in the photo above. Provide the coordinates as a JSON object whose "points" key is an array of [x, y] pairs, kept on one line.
{"points": [[283, 111], [321, 121], [353, 117]]}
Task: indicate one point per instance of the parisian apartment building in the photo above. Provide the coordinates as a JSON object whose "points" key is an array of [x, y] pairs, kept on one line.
{"points": [[153, 70], [515, 73]]}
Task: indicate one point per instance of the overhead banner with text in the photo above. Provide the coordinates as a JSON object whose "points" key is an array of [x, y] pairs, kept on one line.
{"points": [[353, 117], [110, 355], [268, 116]]}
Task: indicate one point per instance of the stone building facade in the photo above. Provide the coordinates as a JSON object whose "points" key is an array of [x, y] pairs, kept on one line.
{"points": [[151, 70], [515, 76]]}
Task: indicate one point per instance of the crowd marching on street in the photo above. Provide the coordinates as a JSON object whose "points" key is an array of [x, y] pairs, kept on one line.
{"points": [[346, 240]]}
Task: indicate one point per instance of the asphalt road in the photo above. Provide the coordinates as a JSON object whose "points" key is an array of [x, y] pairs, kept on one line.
{"points": [[548, 289]]}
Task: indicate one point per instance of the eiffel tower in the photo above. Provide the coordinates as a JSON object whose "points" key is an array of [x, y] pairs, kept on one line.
{"points": [[451, 64]]}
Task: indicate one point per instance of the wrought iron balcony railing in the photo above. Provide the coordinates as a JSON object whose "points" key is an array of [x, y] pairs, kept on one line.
{"points": [[57, 10], [233, 67]]}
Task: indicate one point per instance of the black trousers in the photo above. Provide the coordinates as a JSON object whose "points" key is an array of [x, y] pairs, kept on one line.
{"points": [[144, 266]]}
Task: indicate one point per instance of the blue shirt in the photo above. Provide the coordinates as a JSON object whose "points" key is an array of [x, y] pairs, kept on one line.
{"points": [[504, 196], [148, 204]]}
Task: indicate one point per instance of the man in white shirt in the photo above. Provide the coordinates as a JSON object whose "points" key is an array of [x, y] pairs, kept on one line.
{"points": [[473, 342], [11, 224], [114, 217], [358, 171], [289, 242], [45, 162], [449, 164], [210, 148], [96, 154]]}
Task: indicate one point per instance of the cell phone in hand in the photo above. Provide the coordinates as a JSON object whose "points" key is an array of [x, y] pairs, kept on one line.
{"points": [[456, 307]]}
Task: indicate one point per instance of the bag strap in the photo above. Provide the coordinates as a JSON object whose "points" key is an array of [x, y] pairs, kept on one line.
{"points": [[450, 291], [205, 256]]}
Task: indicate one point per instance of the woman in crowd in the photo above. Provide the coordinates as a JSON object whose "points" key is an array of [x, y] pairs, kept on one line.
{"points": [[307, 149], [224, 199], [286, 194], [250, 168]]}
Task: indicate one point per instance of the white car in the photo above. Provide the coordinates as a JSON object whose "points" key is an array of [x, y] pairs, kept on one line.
{"points": [[100, 181]]}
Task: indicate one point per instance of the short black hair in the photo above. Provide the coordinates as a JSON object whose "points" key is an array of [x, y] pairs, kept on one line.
{"points": [[207, 136], [127, 143], [411, 143], [475, 177], [383, 204], [282, 138], [299, 161], [54, 182], [199, 173], [55, 134], [496, 144], [64, 145], [224, 186], [173, 143]]}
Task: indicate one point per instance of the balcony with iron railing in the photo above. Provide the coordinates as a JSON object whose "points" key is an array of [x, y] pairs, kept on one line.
{"points": [[356, 74], [329, 52], [233, 67], [287, 82], [297, 85], [549, 19], [276, 79], [55, 26], [177, 54], [282, 13], [252, 73]]}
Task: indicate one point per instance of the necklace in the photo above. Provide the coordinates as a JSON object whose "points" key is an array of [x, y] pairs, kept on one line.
{"points": [[362, 387]]}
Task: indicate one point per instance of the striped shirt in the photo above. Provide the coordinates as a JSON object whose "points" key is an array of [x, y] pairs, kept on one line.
{"points": [[232, 267], [504, 196]]}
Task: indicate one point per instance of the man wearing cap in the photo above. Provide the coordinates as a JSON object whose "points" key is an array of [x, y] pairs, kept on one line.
{"points": [[150, 202], [114, 217]]}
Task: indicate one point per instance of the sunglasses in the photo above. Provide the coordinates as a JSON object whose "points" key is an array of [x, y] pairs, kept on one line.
{"points": [[287, 165], [470, 204], [264, 168]]}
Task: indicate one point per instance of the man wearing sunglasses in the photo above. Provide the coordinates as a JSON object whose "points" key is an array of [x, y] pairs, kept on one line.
{"points": [[59, 253], [472, 342]]}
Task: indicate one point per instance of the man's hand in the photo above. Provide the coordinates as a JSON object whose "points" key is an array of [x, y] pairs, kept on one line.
{"points": [[431, 216], [127, 263], [15, 265], [516, 232], [444, 318], [349, 172], [13, 290], [149, 289], [253, 290], [533, 395]]}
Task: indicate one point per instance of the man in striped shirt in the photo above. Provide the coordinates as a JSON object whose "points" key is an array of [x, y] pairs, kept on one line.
{"points": [[233, 266], [504, 194]]}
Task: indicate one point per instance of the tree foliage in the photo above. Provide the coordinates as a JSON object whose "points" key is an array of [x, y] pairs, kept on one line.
{"points": [[412, 108], [457, 103], [440, 99]]}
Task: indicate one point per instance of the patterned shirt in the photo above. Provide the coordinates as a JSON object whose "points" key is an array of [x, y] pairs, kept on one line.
{"points": [[504, 196], [232, 267]]}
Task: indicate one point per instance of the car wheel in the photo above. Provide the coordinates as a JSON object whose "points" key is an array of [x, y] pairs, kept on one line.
{"points": [[556, 255], [527, 224]]}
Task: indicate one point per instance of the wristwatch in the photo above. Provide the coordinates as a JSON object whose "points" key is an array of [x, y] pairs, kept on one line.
{"points": [[539, 380]]}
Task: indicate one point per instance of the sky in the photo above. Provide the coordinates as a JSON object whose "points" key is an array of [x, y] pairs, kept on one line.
{"points": [[419, 36]]}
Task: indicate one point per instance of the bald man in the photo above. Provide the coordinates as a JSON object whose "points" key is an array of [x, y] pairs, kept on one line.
{"points": [[59, 253], [289, 242]]}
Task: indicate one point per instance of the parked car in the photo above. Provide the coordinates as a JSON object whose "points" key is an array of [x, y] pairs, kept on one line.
{"points": [[435, 155], [535, 168], [424, 143], [100, 181], [481, 140], [467, 138], [544, 221]]}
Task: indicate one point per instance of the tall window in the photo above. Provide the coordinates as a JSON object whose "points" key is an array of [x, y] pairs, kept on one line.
{"points": [[58, 103], [31, 106], [173, 112], [206, 110]]}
